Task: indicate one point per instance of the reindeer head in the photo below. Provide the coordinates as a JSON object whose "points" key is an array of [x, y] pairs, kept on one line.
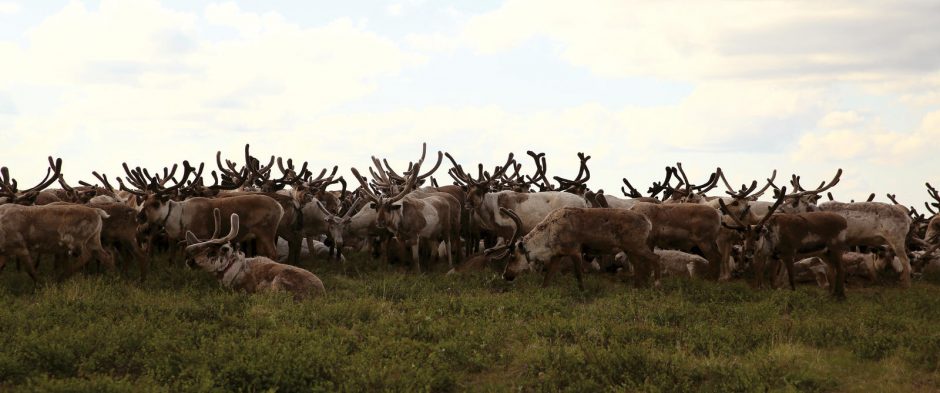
{"points": [[337, 224], [214, 255], [758, 238], [385, 207], [519, 259], [154, 192], [740, 202]]}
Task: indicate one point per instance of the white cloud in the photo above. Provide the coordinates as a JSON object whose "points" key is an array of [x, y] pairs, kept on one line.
{"points": [[872, 143], [394, 9], [160, 75], [844, 119], [9, 8], [432, 43]]}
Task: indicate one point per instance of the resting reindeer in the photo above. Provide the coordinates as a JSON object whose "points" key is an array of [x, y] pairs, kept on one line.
{"points": [[567, 231], [251, 275], [789, 234]]}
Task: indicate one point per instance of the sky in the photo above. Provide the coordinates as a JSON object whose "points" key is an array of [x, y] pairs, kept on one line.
{"points": [[803, 87]]}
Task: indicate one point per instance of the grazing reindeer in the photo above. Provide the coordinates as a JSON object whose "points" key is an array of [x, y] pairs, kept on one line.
{"points": [[744, 204], [258, 274], [70, 228], [567, 231], [790, 234]]}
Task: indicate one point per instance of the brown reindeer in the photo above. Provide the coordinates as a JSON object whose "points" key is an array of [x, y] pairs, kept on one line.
{"points": [[252, 275], [791, 234], [682, 226], [67, 228], [566, 232]]}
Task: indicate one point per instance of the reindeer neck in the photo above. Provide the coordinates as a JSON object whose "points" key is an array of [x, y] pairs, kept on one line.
{"points": [[234, 272], [174, 220]]}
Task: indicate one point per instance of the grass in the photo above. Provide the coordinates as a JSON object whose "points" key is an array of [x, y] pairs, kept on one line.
{"points": [[384, 330]]}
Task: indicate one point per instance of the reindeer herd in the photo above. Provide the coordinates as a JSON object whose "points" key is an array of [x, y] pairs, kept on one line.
{"points": [[499, 218]]}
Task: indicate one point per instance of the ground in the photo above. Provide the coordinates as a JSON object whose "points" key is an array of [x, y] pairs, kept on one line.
{"points": [[379, 329]]}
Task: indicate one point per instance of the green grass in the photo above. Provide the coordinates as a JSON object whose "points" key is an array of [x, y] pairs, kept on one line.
{"points": [[383, 330]]}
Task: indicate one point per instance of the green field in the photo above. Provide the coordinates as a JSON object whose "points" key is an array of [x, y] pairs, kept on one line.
{"points": [[383, 330]]}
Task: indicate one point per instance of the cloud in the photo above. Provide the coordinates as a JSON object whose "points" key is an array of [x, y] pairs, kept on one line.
{"points": [[9, 8], [720, 39], [834, 120], [394, 9], [870, 142], [161, 75]]}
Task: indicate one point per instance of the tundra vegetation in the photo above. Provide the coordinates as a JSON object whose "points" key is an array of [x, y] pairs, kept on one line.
{"points": [[381, 328]]}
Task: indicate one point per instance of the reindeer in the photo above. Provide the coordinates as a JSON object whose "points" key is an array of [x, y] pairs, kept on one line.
{"points": [[70, 228], [567, 231], [743, 204], [790, 234], [532, 208], [417, 217], [875, 224], [681, 226], [252, 275], [119, 231], [261, 214]]}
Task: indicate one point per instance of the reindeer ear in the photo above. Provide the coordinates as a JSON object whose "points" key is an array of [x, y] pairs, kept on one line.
{"points": [[191, 238], [372, 205], [394, 207]]}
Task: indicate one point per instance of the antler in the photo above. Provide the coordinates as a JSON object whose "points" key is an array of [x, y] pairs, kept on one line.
{"points": [[795, 181], [541, 168], [8, 185], [583, 171], [457, 173], [232, 233], [664, 186], [510, 245], [633, 192], [746, 192], [936, 196]]}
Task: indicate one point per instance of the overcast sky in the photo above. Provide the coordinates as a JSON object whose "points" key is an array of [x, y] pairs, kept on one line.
{"points": [[803, 87]]}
